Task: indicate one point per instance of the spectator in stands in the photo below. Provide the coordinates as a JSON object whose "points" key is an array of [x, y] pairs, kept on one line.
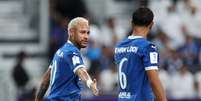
{"points": [[111, 32], [108, 80], [58, 35], [106, 58], [28, 95], [198, 84], [61, 11], [94, 55], [161, 41], [182, 84], [70, 8], [94, 49], [171, 25], [165, 79], [174, 62], [19, 74], [189, 51]]}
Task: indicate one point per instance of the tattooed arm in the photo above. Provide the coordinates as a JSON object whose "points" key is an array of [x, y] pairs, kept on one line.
{"points": [[44, 86], [82, 73]]}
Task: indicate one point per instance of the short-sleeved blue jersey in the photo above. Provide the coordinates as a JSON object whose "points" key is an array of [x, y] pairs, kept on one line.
{"points": [[65, 84], [134, 56]]}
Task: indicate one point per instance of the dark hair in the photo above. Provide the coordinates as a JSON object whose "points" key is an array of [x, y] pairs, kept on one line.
{"points": [[142, 17]]}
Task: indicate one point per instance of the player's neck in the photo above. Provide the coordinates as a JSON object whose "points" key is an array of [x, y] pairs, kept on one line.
{"points": [[140, 31], [74, 43]]}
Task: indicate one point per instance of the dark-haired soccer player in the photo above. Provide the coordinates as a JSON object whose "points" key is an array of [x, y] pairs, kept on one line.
{"points": [[137, 61], [67, 67]]}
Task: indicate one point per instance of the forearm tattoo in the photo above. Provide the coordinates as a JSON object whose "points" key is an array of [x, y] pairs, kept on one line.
{"points": [[44, 86], [42, 91]]}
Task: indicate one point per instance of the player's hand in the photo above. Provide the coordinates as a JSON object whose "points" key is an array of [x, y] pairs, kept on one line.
{"points": [[94, 88]]}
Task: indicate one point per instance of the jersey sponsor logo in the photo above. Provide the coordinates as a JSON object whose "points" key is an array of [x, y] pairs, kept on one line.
{"points": [[76, 60], [126, 49], [153, 57], [124, 95]]}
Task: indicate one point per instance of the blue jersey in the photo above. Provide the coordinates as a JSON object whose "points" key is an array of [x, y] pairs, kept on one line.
{"points": [[134, 56], [65, 84]]}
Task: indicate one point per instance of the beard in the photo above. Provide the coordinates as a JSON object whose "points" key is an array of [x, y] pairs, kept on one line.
{"points": [[81, 45]]}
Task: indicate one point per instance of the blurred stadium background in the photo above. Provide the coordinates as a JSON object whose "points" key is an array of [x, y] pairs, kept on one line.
{"points": [[32, 30]]}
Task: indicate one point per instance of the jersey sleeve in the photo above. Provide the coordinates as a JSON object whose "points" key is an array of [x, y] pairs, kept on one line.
{"points": [[116, 59], [150, 57], [76, 61]]}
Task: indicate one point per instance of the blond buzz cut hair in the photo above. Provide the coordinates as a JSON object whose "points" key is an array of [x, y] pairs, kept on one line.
{"points": [[74, 22]]}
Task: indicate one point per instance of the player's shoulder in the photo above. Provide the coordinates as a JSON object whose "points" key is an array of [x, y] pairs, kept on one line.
{"points": [[70, 49], [122, 43], [146, 43], [150, 46], [118, 44], [141, 42]]}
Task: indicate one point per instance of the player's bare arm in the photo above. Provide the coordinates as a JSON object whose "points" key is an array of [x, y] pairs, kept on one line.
{"points": [[44, 86], [82, 73], [156, 85]]}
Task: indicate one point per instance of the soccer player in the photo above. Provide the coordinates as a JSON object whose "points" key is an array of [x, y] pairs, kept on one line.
{"points": [[137, 61], [67, 67]]}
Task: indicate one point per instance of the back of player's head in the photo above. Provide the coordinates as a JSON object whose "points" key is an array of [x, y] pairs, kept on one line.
{"points": [[142, 17]]}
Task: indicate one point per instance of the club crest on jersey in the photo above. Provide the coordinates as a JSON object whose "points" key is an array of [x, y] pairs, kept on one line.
{"points": [[76, 60], [153, 57]]}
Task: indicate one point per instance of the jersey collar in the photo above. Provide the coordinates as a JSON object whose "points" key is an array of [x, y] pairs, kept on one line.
{"points": [[134, 37], [70, 42]]}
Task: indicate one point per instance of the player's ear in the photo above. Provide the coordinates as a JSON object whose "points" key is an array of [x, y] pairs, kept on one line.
{"points": [[151, 25], [71, 31]]}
